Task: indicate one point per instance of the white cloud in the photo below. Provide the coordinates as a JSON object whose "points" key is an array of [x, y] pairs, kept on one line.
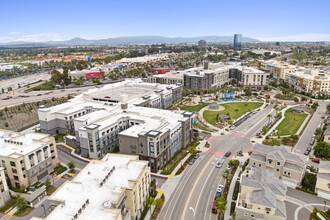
{"points": [[301, 37], [15, 33]]}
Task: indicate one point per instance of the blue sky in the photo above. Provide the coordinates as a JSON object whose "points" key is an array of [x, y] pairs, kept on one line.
{"points": [[41, 20]]}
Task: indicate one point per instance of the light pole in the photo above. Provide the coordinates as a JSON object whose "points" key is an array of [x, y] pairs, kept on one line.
{"points": [[42, 205]]}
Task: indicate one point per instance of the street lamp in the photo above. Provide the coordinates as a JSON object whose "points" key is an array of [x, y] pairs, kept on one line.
{"points": [[42, 205]]}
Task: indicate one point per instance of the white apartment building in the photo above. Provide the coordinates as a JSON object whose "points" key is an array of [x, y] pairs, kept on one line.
{"points": [[114, 188], [27, 157], [4, 190]]}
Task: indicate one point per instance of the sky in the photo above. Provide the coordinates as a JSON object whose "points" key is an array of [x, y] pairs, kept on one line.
{"points": [[267, 20]]}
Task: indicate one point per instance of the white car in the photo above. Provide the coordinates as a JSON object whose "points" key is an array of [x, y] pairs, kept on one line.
{"points": [[228, 167], [220, 188], [254, 112], [232, 127], [219, 164]]}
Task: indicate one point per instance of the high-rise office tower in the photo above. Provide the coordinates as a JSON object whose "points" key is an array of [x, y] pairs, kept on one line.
{"points": [[202, 44], [237, 41]]}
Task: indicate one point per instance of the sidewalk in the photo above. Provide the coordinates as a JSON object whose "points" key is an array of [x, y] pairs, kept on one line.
{"points": [[180, 164], [303, 124], [230, 193]]}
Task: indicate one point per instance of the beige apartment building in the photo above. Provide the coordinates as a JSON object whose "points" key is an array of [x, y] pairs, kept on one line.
{"points": [[288, 166], [4, 190], [322, 187], [327, 135], [26, 158], [261, 196], [114, 188]]}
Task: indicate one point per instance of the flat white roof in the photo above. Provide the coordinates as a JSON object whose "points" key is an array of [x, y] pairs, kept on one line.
{"points": [[15, 144], [86, 185]]}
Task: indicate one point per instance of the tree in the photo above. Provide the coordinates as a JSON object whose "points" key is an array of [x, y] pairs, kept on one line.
{"points": [[71, 165], [303, 99], [21, 203], [233, 163], [295, 99], [266, 88], [246, 105], [227, 175], [236, 110], [264, 129], [150, 202], [221, 204], [6, 125], [158, 203], [192, 150], [322, 149], [230, 122], [269, 116], [315, 105]]}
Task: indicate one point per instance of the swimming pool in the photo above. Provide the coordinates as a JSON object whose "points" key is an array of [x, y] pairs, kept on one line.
{"points": [[229, 99]]}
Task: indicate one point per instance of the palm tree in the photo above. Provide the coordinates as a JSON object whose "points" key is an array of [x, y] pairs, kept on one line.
{"points": [[246, 105], [226, 175], [221, 204], [236, 110], [269, 116]]}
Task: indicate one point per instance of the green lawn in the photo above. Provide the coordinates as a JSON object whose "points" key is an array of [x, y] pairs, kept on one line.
{"points": [[195, 108], [291, 123], [210, 116], [44, 86]]}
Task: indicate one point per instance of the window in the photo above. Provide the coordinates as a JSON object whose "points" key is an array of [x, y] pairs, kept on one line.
{"points": [[14, 170], [278, 163], [267, 212], [289, 173], [252, 216], [270, 161], [15, 177], [277, 170], [284, 172], [12, 163], [246, 214], [254, 163], [259, 165]]}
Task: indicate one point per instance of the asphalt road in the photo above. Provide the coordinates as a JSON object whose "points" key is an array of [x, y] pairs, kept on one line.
{"points": [[194, 195], [305, 138], [66, 158], [255, 123]]}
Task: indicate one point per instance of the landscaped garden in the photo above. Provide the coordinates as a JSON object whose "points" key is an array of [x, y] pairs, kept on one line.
{"points": [[234, 110], [291, 122], [194, 108]]}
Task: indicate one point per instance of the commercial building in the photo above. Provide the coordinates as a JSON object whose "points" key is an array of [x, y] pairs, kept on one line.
{"points": [[160, 70], [215, 75], [114, 188], [106, 117], [322, 187], [237, 41], [60, 118], [201, 44], [261, 196], [26, 157], [300, 79], [288, 166], [4, 190]]}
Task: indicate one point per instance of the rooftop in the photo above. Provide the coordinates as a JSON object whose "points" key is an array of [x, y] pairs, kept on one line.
{"points": [[114, 171], [15, 144]]}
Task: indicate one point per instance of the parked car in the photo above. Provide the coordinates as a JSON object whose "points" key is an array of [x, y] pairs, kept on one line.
{"points": [[323, 117], [219, 164], [316, 160], [254, 112], [196, 156], [192, 161], [107, 97], [220, 188], [228, 153], [308, 166], [308, 150], [218, 195], [258, 134], [228, 167], [232, 127], [312, 141]]}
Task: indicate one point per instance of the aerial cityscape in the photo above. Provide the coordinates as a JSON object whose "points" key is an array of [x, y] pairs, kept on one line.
{"points": [[176, 110]]}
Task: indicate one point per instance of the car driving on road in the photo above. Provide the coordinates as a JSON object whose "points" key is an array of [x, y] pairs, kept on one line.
{"points": [[219, 164]]}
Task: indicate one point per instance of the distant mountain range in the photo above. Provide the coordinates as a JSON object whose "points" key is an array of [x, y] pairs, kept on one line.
{"points": [[132, 40]]}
